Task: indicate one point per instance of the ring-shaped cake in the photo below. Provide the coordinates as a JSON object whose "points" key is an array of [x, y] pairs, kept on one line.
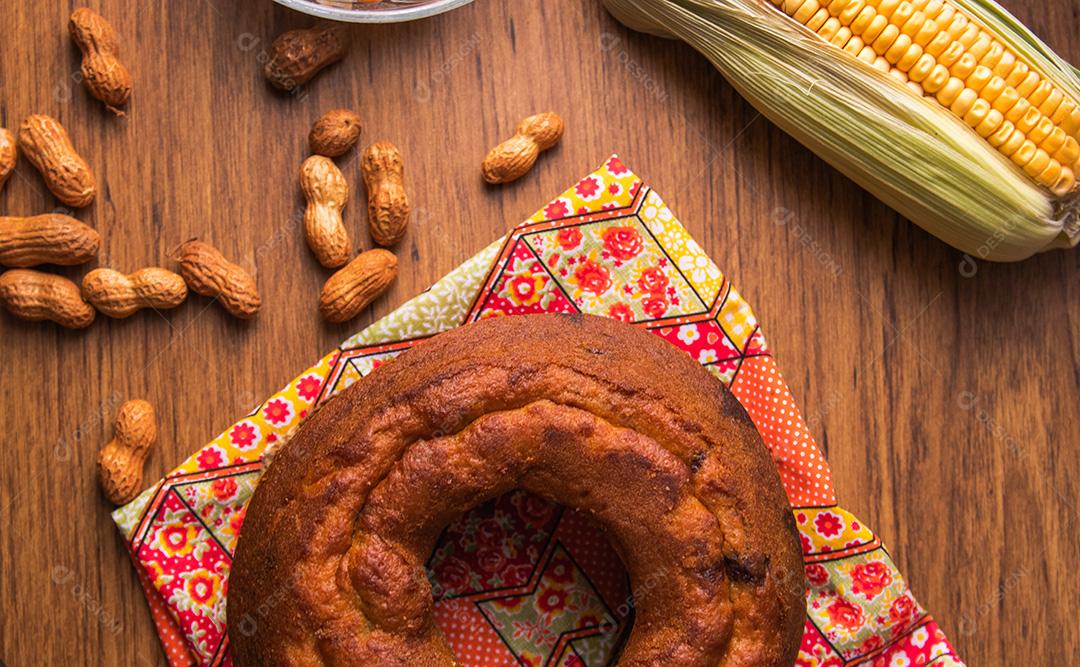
{"points": [[592, 413]]}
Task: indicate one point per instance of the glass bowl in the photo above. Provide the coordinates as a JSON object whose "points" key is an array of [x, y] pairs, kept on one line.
{"points": [[385, 11]]}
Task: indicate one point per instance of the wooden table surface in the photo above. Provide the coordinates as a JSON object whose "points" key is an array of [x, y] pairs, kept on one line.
{"points": [[943, 399]]}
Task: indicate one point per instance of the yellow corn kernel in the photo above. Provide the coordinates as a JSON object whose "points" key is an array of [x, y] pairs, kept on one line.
{"points": [[1051, 174], [862, 21], [867, 55], [1037, 163], [1069, 152], [1041, 94], [968, 37], [1071, 122], [1029, 120], [854, 45], [1028, 84], [851, 11], [1005, 66], [838, 6], [932, 8], [956, 27], [1001, 135], [950, 91], [898, 48], [829, 29], [909, 58], [1006, 99], [993, 55], [873, 30], [978, 112], [818, 19], [1055, 141], [806, 11], [904, 12], [1018, 110], [990, 123], [964, 66], [981, 46], [1013, 143], [979, 77], [886, 39], [896, 74], [1065, 182], [963, 102], [1064, 109], [882, 64], [915, 88], [887, 7], [936, 80], [921, 69], [1024, 153], [1041, 131], [951, 54], [939, 43], [945, 16], [841, 37], [912, 26], [926, 32], [1019, 71], [993, 88]]}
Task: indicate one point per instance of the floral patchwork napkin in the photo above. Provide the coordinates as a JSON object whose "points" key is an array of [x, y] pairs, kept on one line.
{"points": [[521, 580]]}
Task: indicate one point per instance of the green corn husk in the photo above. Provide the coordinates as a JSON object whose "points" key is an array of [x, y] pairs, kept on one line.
{"points": [[907, 150]]}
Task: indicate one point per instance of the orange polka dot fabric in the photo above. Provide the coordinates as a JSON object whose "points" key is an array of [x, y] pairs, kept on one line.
{"points": [[521, 580], [761, 390], [172, 639]]}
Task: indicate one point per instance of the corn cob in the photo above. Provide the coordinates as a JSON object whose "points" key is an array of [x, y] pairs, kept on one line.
{"points": [[942, 53], [900, 93]]}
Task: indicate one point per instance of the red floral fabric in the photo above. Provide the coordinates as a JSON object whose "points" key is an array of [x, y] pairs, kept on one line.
{"points": [[521, 580]]}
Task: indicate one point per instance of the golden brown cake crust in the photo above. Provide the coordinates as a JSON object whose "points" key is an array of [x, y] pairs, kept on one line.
{"points": [[592, 413]]}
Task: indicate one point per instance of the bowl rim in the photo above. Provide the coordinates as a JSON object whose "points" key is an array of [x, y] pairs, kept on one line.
{"points": [[370, 16]]}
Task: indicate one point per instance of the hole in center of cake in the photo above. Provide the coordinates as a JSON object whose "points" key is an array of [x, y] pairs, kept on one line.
{"points": [[525, 580]]}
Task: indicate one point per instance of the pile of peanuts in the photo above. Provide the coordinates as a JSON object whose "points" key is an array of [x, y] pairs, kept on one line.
{"points": [[295, 57], [357, 282], [353, 287], [57, 238]]}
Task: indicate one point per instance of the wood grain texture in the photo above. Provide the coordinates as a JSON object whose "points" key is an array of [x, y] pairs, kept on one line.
{"points": [[943, 399]]}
